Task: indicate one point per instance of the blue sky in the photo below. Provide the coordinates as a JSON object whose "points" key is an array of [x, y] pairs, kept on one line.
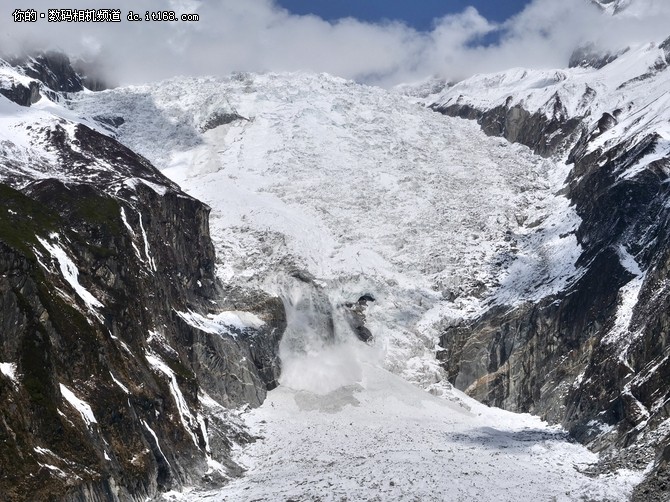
{"points": [[419, 13]]}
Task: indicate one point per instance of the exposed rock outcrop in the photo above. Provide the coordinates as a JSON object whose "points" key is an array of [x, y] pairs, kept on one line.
{"points": [[545, 135], [108, 340], [594, 357]]}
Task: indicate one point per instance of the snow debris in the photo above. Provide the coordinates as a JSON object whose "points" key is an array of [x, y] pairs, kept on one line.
{"points": [[82, 407], [384, 439]]}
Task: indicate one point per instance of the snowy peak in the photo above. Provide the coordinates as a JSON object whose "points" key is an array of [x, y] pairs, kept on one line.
{"points": [[632, 87], [53, 69], [634, 8]]}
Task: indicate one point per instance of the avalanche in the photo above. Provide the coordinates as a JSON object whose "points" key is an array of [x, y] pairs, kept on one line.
{"points": [[323, 190]]}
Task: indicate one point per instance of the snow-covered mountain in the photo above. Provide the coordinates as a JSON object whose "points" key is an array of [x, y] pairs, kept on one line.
{"points": [[324, 191], [512, 246], [368, 214]]}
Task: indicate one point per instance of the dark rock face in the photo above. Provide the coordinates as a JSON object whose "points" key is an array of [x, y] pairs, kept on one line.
{"points": [[21, 94], [588, 56], [517, 125], [219, 118], [53, 69], [564, 357], [101, 261], [355, 315]]}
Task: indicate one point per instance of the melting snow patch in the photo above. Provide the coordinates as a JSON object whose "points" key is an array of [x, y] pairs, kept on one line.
{"points": [[221, 323], [123, 387], [152, 263], [55, 470], [81, 406], [132, 234], [9, 370], [69, 271], [153, 434], [133, 182], [628, 296], [187, 418]]}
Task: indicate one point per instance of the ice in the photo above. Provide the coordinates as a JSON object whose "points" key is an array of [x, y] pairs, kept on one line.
{"points": [[360, 187]]}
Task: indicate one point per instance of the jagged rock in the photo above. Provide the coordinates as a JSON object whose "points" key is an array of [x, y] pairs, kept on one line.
{"points": [[219, 118], [110, 121], [99, 253], [588, 56], [355, 316], [519, 126], [22, 95], [606, 122], [53, 69]]}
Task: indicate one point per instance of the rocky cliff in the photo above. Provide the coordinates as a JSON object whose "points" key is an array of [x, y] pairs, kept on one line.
{"points": [[118, 346], [595, 356]]}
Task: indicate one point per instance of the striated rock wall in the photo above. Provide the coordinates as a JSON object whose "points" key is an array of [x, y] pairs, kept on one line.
{"points": [[594, 357], [104, 380]]}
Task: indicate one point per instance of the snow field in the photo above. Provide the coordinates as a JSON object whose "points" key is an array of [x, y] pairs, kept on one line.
{"points": [[383, 439]]}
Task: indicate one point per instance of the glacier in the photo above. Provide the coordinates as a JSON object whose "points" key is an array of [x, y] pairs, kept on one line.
{"points": [[323, 190]]}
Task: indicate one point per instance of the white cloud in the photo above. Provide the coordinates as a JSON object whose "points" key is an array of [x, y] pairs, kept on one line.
{"points": [[257, 35]]}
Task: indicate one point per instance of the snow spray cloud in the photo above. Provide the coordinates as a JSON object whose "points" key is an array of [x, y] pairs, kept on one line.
{"points": [[258, 35], [319, 351]]}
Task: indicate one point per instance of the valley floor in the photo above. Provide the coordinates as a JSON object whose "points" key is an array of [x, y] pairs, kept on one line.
{"points": [[381, 438]]}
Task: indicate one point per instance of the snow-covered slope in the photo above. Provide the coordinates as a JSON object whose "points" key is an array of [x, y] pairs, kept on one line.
{"points": [[362, 189], [381, 438], [324, 191], [633, 89]]}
